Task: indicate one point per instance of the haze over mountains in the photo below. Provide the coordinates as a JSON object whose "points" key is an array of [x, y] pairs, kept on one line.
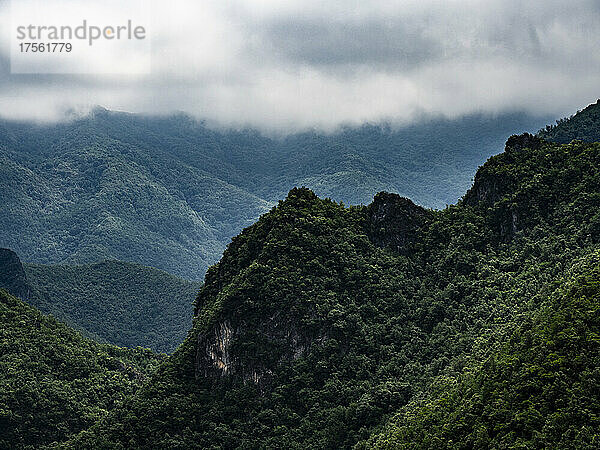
{"points": [[171, 192]]}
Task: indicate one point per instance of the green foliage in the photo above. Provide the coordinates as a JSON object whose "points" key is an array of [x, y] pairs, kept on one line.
{"points": [[583, 126], [539, 390], [309, 335], [170, 192], [53, 381], [115, 302], [124, 304]]}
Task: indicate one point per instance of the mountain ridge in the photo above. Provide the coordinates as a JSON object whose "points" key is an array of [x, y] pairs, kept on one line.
{"points": [[584, 126], [171, 192]]}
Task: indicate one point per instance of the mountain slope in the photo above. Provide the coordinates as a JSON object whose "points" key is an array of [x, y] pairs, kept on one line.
{"points": [[54, 382], [170, 192], [320, 321], [121, 303], [539, 390], [584, 126], [12, 274]]}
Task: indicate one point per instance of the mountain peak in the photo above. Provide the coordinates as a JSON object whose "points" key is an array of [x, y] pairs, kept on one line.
{"points": [[521, 141], [395, 221], [492, 181], [301, 196]]}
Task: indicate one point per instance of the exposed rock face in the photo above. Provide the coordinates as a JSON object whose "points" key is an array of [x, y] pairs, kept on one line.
{"points": [[12, 274], [214, 351], [395, 221], [222, 355]]}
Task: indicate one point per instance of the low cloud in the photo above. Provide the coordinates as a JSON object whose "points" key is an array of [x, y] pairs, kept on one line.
{"points": [[285, 66]]}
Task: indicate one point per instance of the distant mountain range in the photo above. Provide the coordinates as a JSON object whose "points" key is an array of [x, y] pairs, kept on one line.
{"points": [[171, 192]]}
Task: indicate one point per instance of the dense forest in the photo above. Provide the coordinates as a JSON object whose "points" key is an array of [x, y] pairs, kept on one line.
{"points": [[53, 381], [538, 389], [387, 325], [583, 126], [325, 326], [115, 302], [170, 192]]}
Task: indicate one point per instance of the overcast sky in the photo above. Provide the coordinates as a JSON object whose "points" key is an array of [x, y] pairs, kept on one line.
{"points": [[292, 64]]}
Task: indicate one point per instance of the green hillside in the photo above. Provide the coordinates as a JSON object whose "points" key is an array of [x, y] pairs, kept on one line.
{"points": [[53, 381], [583, 126], [170, 192], [121, 303], [322, 322], [539, 389], [126, 304]]}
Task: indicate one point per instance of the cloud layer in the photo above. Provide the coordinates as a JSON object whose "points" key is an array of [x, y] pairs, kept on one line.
{"points": [[296, 64]]}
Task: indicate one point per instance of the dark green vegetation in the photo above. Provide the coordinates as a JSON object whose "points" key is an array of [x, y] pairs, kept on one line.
{"points": [[476, 325], [53, 381], [12, 274], [540, 389], [170, 192], [583, 126], [124, 304]]}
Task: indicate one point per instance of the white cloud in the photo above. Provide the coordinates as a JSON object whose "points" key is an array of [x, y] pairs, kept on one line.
{"points": [[295, 64]]}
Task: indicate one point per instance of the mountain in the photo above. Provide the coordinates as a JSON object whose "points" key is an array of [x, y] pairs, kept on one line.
{"points": [[471, 326], [12, 274], [53, 381], [170, 192], [583, 126], [121, 303], [538, 390]]}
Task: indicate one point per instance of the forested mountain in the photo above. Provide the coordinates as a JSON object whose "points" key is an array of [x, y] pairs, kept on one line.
{"points": [[475, 325], [539, 389], [12, 274], [170, 192], [584, 126], [121, 303], [53, 381]]}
